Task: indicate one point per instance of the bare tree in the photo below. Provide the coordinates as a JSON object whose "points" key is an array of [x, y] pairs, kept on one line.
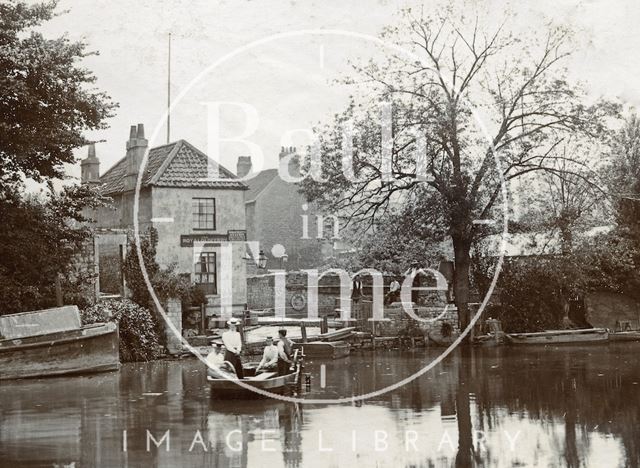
{"points": [[478, 105]]}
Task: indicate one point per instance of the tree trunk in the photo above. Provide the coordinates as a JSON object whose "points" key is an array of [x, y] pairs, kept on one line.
{"points": [[461, 282]]}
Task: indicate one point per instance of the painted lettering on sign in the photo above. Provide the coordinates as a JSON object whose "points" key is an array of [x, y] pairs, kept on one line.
{"points": [[237, 235], [188, 240]]}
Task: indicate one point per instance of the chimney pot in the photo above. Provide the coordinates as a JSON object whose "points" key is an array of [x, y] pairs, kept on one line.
{"points": [[90, 167], [133, 133], [140, 131]]}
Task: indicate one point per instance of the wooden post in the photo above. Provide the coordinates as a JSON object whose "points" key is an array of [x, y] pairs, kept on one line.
{"points": [[203, 319], [59, 301], [303, 330], [324, 325]]}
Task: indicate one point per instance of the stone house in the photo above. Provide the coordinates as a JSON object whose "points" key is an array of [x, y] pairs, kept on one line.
{"points": [[278, 214], [199, 219]]}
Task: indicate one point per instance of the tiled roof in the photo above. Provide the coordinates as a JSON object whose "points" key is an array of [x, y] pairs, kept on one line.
{"points": [[258, 183], [177, 164]]}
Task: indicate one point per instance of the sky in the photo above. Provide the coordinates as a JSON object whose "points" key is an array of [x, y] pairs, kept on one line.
{"points": [[288, 80]]}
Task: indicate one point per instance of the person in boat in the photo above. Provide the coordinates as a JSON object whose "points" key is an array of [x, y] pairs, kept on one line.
{"points": [[216, 365], [233, 346], [269, 360], [216, 357], [285, 351]]}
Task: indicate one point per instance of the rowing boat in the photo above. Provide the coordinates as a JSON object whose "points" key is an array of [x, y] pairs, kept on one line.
{"points": [[630, 335], [579, 336], [226, 385], [337, 335]]}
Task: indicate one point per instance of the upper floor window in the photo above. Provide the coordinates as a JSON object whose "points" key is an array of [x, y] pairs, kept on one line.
{"points": [[204, 213]]}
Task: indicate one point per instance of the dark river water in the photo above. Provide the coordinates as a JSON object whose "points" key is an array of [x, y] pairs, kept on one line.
{"points": [[502, 407]]}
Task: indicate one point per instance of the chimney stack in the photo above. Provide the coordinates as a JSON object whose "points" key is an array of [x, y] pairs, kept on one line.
{"points": [[136, 147], [90, 167], [243, 166], [290, 153]]}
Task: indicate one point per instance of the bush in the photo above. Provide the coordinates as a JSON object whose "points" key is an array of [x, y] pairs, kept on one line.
{"points": [[138, 338]]}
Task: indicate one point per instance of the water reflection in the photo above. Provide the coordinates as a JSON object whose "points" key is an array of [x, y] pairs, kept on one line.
{"points": [[569, 407]]}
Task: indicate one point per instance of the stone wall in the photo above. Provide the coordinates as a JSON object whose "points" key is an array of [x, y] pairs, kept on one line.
{"points": [[261, 294], [173, 310], [397, 320]]}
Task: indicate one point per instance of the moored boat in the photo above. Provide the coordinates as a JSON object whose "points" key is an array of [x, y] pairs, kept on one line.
{"points": [[579, 336], [629, 335], [324, 349], [337, 335], [53, 342]]}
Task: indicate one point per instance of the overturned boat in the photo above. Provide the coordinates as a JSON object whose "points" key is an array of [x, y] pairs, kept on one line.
{"points": [[553, 337], [53, 342]]}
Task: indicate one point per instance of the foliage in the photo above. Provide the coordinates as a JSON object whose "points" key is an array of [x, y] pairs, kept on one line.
{"points": [[46, 104], [623, 177], [138, 338], [533, 291], [166, 282], [47, 99], [40, 238]]}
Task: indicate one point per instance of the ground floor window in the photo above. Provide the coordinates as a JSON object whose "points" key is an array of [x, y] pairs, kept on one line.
{"points": [[205, 272]]}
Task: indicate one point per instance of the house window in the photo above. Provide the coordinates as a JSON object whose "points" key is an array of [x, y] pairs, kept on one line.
{"points": [[204, 213], [205, 272]]}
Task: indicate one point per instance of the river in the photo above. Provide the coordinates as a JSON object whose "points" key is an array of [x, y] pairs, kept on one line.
{"points": [[500, 407]]}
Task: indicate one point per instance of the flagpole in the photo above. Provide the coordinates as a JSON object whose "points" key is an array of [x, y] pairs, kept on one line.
{"points": [[169, 92]]}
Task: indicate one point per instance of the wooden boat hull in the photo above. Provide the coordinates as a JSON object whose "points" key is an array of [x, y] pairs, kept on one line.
{"points": [[489, 340], [556, 337], [325, 350], [89, 349], [337, 335], [625, 336], [229, 388]]}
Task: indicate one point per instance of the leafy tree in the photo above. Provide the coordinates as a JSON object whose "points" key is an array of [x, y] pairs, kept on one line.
{"points": [[460, 69], [39, 239], [48, 100]]}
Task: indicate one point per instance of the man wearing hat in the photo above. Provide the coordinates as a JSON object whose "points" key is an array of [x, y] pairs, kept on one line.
{"points": [[233, 346]]}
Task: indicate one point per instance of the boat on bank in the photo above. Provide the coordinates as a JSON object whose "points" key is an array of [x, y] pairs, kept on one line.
{"points": [[53, 342], [324, 349], [225, 384], [553, 337]]}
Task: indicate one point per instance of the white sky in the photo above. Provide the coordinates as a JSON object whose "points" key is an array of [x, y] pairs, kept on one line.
{"points": [[289, 80]]}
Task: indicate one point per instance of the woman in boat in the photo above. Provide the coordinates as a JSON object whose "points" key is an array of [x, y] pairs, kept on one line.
{"points": [[233, 345], [269, 360]]}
